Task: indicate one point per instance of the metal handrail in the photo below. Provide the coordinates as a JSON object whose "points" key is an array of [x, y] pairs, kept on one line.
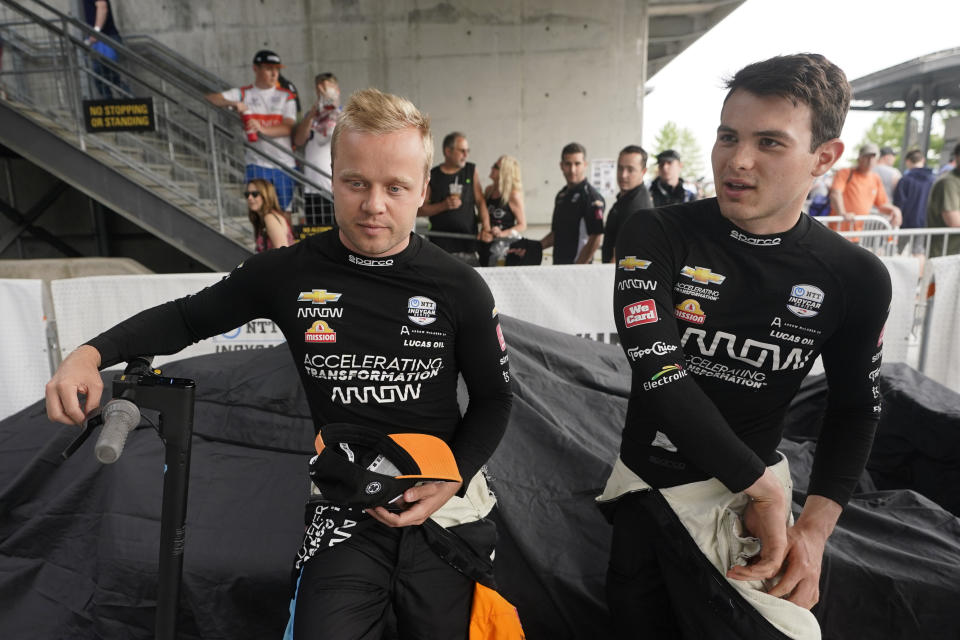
{"points": [[188, 125], [883, 221], [166, 75], [194, 71]]}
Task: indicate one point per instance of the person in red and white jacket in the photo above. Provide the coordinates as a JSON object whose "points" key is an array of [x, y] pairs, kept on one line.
{"points": [[269, 111]]}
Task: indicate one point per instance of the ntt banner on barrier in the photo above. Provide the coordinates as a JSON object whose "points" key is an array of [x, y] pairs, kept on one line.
{"points": [[87, 306]]}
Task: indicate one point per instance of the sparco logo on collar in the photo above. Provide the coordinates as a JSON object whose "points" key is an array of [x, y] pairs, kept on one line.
{"points": [[421, 310], [757, 242], [805, 300], [370, 262]]}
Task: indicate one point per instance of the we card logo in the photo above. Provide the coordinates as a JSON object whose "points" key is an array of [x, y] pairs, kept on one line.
{"points": [[642, 312]]}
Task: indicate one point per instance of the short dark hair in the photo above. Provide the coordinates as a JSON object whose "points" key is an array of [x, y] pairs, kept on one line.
{"points": [[914, 156], [323, 77], [956, 150], [574, 147], [451, 139], [807, 78], [635, 148]]}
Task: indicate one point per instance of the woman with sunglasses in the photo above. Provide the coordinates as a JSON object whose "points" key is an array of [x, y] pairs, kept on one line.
{"points": [[505, 203], [271, 225]]}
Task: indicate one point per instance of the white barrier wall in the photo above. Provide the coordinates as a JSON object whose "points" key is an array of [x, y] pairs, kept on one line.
{"points": [[942, 349], [575, 299], [904, 276], [85, 307], [571, 298], [24, 364]]}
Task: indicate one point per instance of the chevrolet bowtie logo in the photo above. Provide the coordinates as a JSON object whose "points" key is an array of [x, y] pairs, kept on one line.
{"points": [[703, 275], [318, 296], [630, 263]]}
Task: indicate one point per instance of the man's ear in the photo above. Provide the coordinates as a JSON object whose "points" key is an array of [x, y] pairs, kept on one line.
{"points": [[827, 155]]}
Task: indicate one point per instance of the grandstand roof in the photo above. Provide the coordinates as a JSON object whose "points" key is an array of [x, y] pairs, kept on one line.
{"points": [[934, 77]]}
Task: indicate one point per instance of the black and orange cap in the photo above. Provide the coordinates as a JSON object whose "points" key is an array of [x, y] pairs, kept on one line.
{"points": [[416, 457]]}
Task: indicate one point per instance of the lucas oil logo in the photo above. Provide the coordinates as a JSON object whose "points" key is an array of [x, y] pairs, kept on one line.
{"points": [[320, 331], [690, 311], [642, 312], [805, 300], [421, 310]]}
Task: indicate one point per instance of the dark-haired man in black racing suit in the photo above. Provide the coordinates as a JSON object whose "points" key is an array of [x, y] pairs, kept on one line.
{"points": [[379, 324], [722, 306]]}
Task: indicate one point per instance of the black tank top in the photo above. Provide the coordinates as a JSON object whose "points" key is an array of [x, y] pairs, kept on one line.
{"points": [[501, 215], [461, 220]]}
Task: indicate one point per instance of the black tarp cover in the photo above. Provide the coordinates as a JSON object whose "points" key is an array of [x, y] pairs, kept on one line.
{"points": [[78, 541]]}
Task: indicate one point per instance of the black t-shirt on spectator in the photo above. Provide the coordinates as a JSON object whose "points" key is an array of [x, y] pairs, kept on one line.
{"points": [[577, 213]]}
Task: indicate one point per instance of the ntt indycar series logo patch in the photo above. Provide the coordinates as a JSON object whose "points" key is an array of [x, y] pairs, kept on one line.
{"points": [[642, 312], [320, 331], [805, 300], [666, 375], [421, 310]]}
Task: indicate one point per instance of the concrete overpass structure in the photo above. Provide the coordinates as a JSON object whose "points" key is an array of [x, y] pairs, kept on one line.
{"points": [[520, 77]]}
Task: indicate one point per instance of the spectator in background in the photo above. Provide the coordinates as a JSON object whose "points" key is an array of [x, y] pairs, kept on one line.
{"points": [[911, 195], [454, 198], [269, 111], [856, 190], [313, 133], [98, 14], [943, 209], [668, 187], [889, 174], [633, 196], [504, 199], [271, 225], [577, 225]]}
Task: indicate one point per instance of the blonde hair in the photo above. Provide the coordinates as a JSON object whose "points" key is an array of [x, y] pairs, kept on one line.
{"points": [[509, 177], [372, 111]]}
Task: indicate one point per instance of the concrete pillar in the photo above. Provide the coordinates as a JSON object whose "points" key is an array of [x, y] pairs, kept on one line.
{"points": [[929, 106]]}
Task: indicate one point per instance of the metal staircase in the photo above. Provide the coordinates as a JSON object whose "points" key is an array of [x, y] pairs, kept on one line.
{"points": [[181, 182]]}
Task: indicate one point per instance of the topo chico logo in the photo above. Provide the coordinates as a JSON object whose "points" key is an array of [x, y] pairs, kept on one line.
{"points": [[373, 488]]}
